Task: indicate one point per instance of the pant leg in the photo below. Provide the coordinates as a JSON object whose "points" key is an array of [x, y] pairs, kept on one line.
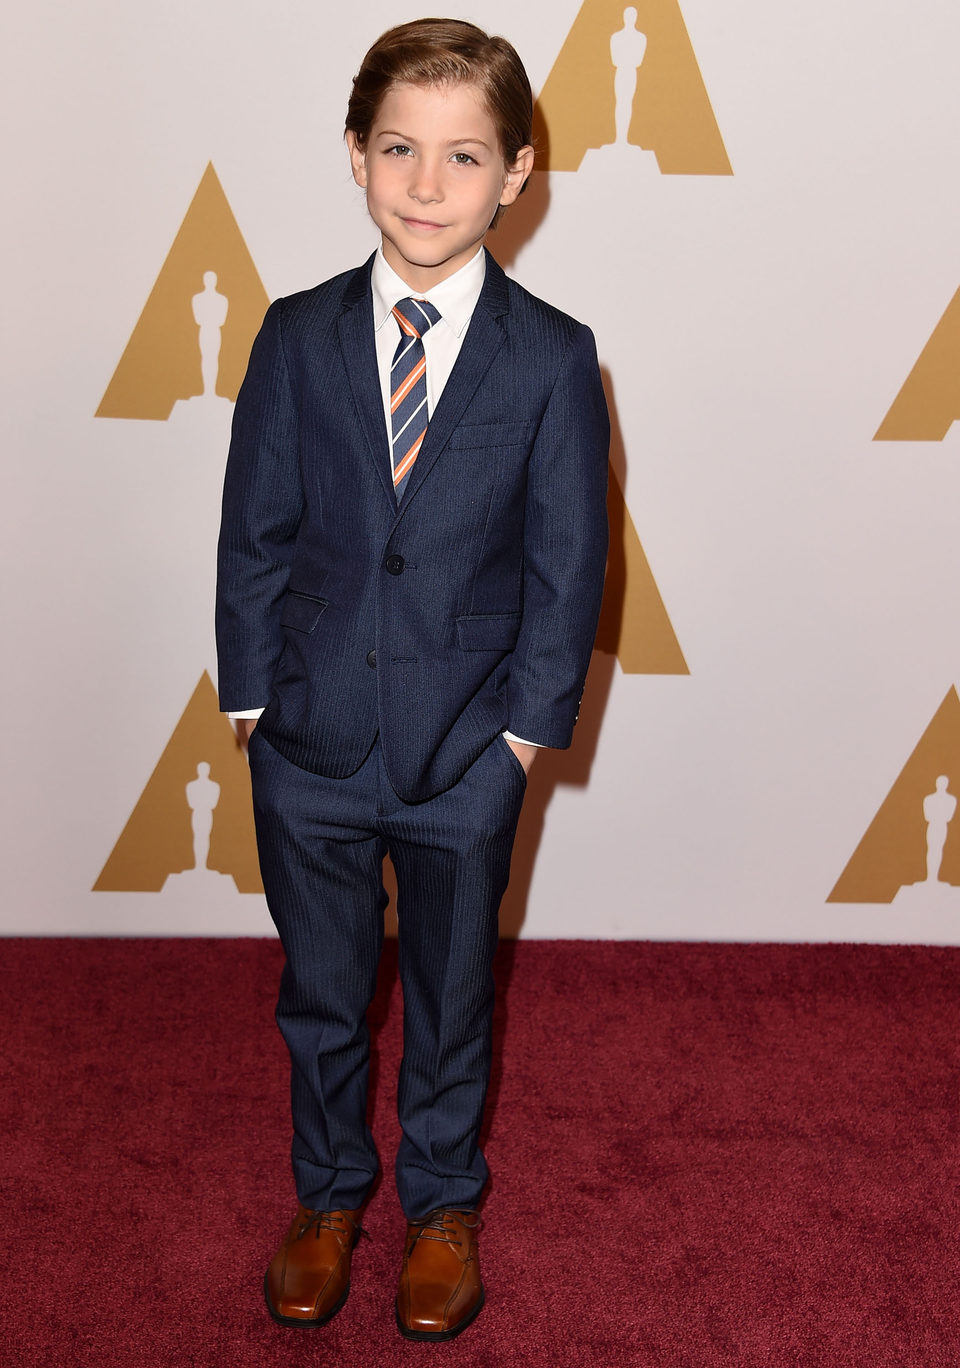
{"points": [[452, 860], [322, 862]]}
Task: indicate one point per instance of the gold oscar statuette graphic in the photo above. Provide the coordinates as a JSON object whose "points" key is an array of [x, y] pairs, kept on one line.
{"points": [[193, 823], [627, 78], [634, 625], [913, 844], [929, 402], [194, 335]]}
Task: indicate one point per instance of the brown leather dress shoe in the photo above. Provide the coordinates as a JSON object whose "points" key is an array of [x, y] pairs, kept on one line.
{"points": [[309, 1276], [440, 1291]]}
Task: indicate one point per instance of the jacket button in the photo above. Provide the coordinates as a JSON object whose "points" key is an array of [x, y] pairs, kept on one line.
{"points": [[372, 660], [394, 565]]}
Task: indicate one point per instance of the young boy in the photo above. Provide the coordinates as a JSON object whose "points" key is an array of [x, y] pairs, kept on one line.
{"points": [[411, 567]]}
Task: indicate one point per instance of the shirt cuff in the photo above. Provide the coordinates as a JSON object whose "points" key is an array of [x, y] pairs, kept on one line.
{"points": [[244, 712], [509, 736]]}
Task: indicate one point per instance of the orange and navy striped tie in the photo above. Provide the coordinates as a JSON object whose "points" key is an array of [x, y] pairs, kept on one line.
{"points": [[408, 387]]}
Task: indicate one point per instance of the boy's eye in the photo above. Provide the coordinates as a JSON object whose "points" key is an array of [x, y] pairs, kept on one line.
{"points": [[463, 159]]}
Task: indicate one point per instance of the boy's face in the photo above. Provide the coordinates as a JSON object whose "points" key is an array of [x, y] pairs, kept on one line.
{"points": [[434, 176]]}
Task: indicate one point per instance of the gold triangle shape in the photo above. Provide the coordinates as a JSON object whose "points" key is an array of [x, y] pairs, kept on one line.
{"points": [[634, 625], [671, 113], [161, 362], [157, 841], [893, 851], [929, 402]]}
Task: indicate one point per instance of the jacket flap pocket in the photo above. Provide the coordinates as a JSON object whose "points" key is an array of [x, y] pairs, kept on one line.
{"points": [[488, 631], [301, 611], [469, 435]]}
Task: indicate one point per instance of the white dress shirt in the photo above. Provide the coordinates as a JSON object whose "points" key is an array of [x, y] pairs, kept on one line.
{"points": [[455, 300]]}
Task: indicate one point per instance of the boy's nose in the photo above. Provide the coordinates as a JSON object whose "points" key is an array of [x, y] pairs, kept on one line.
{"points": [[426, 184]]}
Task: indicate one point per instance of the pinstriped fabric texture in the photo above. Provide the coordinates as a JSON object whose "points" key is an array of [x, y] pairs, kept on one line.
{"points": [[322, 843], [490, 622], [408, 387]]}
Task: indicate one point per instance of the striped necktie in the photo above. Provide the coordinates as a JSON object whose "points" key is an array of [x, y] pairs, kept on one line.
{"points": [[408, 387]]}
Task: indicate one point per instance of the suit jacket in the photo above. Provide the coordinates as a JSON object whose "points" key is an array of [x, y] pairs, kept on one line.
{"points": [[468, 609]]}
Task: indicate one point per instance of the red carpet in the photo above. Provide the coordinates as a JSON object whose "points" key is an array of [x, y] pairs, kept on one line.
{"points": [[702, 1155]]}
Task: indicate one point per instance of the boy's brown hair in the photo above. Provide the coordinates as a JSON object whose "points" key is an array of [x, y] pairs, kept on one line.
{"points": [[429, 52]]}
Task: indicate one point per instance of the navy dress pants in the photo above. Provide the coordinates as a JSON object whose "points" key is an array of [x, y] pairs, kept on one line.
{"points": [[322, 843]]}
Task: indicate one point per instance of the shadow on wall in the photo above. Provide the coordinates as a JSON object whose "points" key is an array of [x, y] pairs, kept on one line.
{"points": [[573, 766], [520, 223]]}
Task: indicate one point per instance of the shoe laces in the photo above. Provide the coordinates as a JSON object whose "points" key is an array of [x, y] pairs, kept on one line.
{"points": [[436, 1225], [337, 1221]]}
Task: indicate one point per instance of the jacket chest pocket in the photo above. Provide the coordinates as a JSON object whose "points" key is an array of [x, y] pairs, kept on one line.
{"points": [[470, 436]]}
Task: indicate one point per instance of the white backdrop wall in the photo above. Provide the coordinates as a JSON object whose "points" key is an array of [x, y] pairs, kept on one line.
{"points": [[760, 774]]}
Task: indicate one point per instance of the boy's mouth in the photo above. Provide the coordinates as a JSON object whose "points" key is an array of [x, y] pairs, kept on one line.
{"points": [[422, 223]]}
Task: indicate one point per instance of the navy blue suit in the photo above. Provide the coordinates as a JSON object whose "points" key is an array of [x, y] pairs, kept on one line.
{"points": [[391, 646]]}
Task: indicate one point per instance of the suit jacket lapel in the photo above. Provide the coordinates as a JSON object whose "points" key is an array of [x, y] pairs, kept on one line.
{"points": [[484, 338], [355, 330]]}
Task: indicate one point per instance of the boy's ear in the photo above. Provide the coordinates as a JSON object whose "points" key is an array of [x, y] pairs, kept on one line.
{"points": [[516, 175], [358, 159]]}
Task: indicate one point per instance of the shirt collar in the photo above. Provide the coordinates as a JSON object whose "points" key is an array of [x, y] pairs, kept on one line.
{"points": [[454, 298]]}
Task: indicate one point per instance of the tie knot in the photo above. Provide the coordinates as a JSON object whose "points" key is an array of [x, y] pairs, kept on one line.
{"points": [[415, 316]]}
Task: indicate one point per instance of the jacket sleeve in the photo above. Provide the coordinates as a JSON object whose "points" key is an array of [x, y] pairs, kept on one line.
{"points": [[262, 509], [564, 551]]}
